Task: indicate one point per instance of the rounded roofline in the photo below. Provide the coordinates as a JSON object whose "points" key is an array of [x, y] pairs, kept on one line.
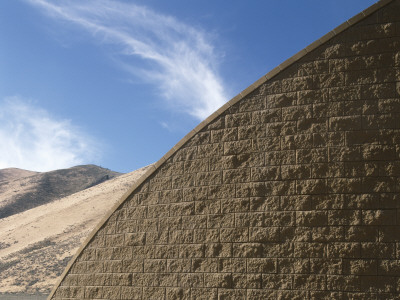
{"points": [[271, 74]]}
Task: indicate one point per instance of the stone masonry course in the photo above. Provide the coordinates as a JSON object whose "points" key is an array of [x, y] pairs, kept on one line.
{"points": [[290, 192]]}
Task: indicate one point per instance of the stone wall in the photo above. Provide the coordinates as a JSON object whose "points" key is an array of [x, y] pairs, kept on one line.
{"points": [[292, 192]]}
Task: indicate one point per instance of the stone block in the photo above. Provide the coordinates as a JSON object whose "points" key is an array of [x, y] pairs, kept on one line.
{"points": [[157, 237], [347, 123], [246, 281], [312, 125], [344, 217], [295, 113], [281, 128], [292, 295], [378, 284], [224, 135], [312, 97], [297, 84], [221, 192], [178, 265], [237, 147], [327, 170], [227, 294], [248, 250], [276, 281], [266, 144], [205, 207], [257, 189], [360, 266], [221, 220], [238, 119], [311, 250], [279, 218], [191, 250], [204, 294], [312, 187], [270, 203], [296, 172], [266, 173], [234, 235], [182, 209], [209, 265], [121, 279], [229, 265], [261, 265], [387, 121], [193, 221], [251, 132], [154, 293], [343, 283], [309, 282], [345, 185], [209, 150], [281, 100], [280, 157], [236, 175], [194, 166], [217, 280], [184, 181], [263, 235], [191, 194], [323, 81], [235, 205], [328, 266], [293, 266], [267, 116], [177, 293], [191, 280], [132, 265], [379, 217], [246, 220], [344, 250], [209, 178], [93, 292], [378, 152], [299, 141], [327, 233], [121, 293]]}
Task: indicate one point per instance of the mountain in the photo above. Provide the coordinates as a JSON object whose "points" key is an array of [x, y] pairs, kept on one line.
{"points": [[46, 216], [21, 191], [14, 173]]}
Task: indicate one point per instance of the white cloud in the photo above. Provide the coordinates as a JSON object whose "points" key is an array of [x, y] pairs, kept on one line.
{"points": [[179, 59], [32, 139]]}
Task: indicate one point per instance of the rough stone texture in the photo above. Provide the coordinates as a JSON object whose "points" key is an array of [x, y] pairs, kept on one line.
{"points": [[291, 193]]}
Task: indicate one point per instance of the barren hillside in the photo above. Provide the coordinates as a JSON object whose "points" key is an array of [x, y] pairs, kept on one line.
{"points": [[24, 190], [14, 173], [37, 243]]}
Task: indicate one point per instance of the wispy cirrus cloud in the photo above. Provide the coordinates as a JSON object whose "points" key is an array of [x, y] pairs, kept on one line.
{"points": [[33, 139], [176, 57]]}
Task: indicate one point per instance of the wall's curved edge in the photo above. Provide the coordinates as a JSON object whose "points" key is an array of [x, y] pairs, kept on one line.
{"points": [[274, 72]]}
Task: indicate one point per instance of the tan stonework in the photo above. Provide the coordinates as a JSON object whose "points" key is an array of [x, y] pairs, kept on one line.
{"points": [[289, 191]]}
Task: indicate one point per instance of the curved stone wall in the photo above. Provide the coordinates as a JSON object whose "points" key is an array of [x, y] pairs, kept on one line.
{"points": [[290, 191]]}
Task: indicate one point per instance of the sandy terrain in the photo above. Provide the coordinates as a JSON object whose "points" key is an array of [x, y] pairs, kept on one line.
{"points": [[37, 244]]}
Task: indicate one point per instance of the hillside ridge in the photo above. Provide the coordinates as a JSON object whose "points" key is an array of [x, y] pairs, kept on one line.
{"points": [[37, 243], [24, 190]]}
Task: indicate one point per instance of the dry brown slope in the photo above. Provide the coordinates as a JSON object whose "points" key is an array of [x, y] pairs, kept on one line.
{"points": [[37, 244], [21, 193], [15, 173]]}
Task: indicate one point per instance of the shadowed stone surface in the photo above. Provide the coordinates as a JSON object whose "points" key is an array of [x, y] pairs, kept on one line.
{"points": [[291, 193]]}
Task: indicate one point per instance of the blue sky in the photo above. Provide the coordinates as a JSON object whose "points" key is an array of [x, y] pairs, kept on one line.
{"points": [[118, 83]]}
